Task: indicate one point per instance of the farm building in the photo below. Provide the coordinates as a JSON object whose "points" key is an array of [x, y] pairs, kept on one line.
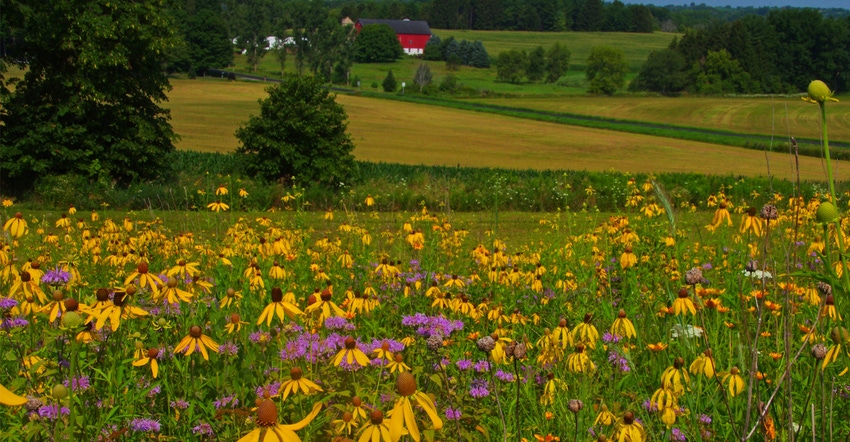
{"points": [[412, 34]]}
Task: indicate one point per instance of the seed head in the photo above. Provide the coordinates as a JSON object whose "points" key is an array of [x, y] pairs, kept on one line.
{"points": [[819, 351], [266, 413], [405, 384], [827, 212], [575, 405], [769, 212], [486, 344]]}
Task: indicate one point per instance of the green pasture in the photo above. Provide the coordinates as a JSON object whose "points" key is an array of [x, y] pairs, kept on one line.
{"points": [[780, 116], [636, 47], [206, 112]]}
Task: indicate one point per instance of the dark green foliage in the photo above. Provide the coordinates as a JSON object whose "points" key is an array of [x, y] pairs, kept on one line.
{"points": [[301, 134], [663, 72], [720, 74], [557, 62], [606, 70], [389, 84], [466, 189], [510, 66], [535, 68], [209, 46], [377, 43], [449, 83], [479, 57], [433, 49], [89, 102], [451, 47]]}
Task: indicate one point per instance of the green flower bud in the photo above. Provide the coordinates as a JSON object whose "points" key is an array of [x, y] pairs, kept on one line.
{"points": [[839, 335], [827, 212], [71, 320], [819, 92], [59, 392]]}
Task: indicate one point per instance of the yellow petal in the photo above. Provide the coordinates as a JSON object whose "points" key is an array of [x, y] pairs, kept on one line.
{"points": [[317, 407], [11, 399]]}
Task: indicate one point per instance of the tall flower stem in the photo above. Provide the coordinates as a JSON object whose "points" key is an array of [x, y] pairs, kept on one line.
{"points": [[831, 182]]}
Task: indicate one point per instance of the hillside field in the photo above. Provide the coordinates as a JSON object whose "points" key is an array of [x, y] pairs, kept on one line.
{"points": [[781, 115], [207, 112], [636, 48]]}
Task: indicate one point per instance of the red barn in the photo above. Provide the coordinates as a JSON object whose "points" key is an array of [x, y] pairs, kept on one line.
{"points": [[412, 34]]}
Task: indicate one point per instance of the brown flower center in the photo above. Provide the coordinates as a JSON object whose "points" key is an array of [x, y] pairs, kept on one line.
{"points": [[195, 331]]}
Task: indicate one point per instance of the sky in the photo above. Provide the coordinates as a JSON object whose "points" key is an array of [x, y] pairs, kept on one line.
{"points": [[756, 3]]}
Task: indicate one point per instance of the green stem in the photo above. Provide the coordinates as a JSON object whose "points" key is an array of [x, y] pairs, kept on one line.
{"points": [[72, 422], [829, 176]]}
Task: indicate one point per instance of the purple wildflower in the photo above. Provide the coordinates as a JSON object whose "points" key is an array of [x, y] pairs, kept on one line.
{"points": [[7, 303], [453, 414], [338, 323], [479, 389], [203, 429], [78, 384], [144, 425], [677, 435], [56, 277], [505, 376], [233, 401], [464, 364], [52, 412], [228, 349]]}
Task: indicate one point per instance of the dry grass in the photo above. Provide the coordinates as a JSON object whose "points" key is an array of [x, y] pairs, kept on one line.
{"points": [[207, 112], [778, 115]]}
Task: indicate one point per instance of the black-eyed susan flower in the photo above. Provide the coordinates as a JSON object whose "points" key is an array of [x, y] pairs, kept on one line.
{"points": [[683, 303], [196, 340], [360, 413], [149, 358], [324, 308], [268, 430], [397, 364], [184, 270], [605, 417], [561, 335], [703, 364], [402, 419], [629, 430], [829, 309], [234, 323], [376, 430], [16, 226], [586, 332], [734, 382], [628, 258], [280, 308], [552, 386], [230, 296], [721, 215], [345, 425], [218, 206], [297, 382], [751, 222], [579, 362], [350, 354], [623, 326], [172, 293], [676, 377], [145, 278], [120, 308]]}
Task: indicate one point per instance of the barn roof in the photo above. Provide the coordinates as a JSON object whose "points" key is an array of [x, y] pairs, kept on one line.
{"points": [[416, 27]]}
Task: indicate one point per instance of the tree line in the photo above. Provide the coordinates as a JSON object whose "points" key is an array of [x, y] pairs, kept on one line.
{"points": [[777, 53]]}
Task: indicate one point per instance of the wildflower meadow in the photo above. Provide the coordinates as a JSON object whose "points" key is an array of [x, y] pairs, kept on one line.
{"points": [[350, 324]]}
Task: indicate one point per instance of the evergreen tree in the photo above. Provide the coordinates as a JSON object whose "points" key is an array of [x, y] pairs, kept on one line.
{"points": [[390, 84], [479, 58], [432, 49]]}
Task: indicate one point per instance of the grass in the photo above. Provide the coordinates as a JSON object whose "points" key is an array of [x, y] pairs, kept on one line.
{"points": [[636, 47], [207, 112], [781, 116]]}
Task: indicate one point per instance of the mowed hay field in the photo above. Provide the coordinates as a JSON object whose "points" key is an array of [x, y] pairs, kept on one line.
{"points": [[781, 116], [207, 112]]}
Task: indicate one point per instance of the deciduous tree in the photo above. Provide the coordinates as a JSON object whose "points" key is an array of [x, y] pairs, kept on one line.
{"points": [[301, 132], [89, 101], [377, 43], [606, 70]]}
